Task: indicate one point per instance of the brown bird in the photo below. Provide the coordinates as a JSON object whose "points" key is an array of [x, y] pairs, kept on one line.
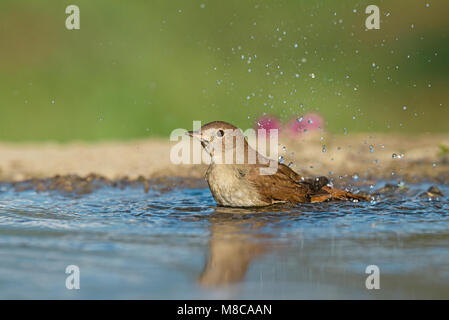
{"points": [[239, 180]]}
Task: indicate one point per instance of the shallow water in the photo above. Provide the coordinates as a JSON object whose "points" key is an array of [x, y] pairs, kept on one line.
{"points": [[178, 244]]}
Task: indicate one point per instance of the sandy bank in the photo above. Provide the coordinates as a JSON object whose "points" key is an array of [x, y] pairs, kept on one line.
{"points": [[369, 156]]}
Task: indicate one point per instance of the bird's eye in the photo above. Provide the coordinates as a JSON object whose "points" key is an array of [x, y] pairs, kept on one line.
{"points": [[220, 133]]}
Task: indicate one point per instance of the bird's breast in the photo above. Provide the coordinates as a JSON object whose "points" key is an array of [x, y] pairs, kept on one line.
{"points": [[229, 188]]}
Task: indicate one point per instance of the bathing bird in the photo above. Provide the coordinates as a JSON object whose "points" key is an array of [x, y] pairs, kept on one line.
{"points": [[239, 176]]}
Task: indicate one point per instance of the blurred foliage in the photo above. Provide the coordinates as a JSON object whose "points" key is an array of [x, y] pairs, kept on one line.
{"points": [[444, 150], [140, 68]]}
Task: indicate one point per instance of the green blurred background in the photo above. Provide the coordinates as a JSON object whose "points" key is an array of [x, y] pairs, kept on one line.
{"points": [[143, 68]]}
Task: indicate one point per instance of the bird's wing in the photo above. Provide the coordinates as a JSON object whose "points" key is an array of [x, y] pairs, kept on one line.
{"points": [[287, 185], [284, 185]]}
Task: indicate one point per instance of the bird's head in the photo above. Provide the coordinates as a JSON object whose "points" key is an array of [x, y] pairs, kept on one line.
{"points": [[220, 137]]}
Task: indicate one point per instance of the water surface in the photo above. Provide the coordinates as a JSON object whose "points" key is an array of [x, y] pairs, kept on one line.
{"points": [[177, 244]]}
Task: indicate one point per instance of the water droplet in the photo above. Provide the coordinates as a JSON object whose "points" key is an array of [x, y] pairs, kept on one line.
{"points": [[300, 119], [281, 160], [355, 176], [404, 107], [323, 149], [202, 6], [371, 148], [312, 75]]}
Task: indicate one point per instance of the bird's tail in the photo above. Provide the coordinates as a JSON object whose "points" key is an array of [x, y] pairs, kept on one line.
{"points": [[337, 194]]}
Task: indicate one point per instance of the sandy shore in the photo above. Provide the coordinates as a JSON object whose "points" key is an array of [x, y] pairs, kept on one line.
{"points": [[368, 156]]}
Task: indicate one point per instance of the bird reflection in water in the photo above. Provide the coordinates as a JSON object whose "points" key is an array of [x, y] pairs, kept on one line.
{"points": [[236, 240]]}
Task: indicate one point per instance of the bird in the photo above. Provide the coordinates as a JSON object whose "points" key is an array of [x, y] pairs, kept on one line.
{"points": [[242, 182]]}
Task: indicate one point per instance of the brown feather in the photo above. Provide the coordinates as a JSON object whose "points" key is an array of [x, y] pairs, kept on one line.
{"points": [[287, 185], [284, 185]]}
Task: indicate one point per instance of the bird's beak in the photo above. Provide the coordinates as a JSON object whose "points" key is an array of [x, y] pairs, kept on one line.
{"points": [[199, 136], [194, 134]]}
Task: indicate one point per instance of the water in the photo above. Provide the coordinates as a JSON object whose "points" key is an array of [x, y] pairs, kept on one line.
{"points": [[175, 243]]}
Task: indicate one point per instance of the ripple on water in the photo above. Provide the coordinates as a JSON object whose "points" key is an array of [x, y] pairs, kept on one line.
{"points": [[164, 234]]}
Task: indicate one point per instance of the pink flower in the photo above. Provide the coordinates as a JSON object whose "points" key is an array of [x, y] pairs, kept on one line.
{"points": [[267, 122], [309, 122]]}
